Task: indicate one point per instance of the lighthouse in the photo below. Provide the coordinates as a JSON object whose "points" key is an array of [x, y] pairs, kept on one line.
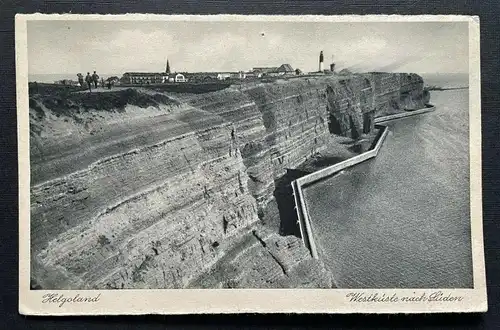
{"points": [[321, 62]]}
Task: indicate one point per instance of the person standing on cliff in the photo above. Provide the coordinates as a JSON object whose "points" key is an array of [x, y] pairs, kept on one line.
{"points": [[95, 79], [88, 80], [80, 80]]}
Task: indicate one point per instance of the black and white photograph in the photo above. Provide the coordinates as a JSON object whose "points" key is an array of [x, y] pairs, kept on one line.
{"points": [[250, 154]]}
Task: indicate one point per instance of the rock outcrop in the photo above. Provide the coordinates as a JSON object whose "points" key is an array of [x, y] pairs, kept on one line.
{"points": [[148, 189]]}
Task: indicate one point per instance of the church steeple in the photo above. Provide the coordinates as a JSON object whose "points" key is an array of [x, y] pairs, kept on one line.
{"points": [[167, 69]]}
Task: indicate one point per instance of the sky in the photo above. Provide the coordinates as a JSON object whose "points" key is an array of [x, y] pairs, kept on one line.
{"points": [[69, 47]]}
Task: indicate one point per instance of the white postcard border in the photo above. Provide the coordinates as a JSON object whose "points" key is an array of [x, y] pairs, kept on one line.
{"points": [[201, 301]]}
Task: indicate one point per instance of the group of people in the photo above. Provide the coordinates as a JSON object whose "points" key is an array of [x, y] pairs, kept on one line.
{"points": [[91, 80]]}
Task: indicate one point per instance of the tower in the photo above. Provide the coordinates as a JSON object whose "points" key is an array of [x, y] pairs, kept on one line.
{"points": [[332, 65], [167, 69], [321, 62]]}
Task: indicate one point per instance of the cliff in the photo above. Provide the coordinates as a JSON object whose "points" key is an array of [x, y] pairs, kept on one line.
{"points": [[145, 188]]}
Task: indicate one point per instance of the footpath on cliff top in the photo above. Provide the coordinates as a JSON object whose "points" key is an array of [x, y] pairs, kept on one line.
{"points": [[145, 188]]}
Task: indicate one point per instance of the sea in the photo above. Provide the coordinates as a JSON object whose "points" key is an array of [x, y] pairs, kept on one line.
{"points": [[402, 219]]}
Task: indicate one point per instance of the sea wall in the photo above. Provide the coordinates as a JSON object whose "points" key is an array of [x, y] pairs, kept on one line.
{"points": [[152, 188], [299, 184]]}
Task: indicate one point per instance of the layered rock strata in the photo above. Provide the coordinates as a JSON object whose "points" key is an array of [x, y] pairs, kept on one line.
{"points": [[156, 191]]}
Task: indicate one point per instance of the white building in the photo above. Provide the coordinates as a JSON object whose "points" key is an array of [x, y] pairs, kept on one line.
{"points": [[144, 77], [223, 75], [231, 75], [179, 77]]}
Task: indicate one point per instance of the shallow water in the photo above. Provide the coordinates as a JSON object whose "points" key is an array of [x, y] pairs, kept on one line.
{"points": [[401, 220]]}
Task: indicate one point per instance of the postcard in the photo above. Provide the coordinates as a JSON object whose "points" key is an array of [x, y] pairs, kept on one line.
{"points": [[178, 164]]}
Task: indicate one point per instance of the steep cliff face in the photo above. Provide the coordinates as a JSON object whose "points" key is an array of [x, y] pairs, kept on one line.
{"points": [[276, 126], [150, 189], [396, 92], [145, 216], [279, 125]]}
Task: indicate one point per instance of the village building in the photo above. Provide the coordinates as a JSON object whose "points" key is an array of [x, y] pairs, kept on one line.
{"points": [[144, 78], [263, 71], [251, 75], [231, 75], [284, 69], [200, 77], [223, 76], [175, 78], [179, 77]]}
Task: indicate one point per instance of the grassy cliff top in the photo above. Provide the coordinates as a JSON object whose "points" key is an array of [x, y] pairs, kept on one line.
{"points": [[67, 100]]}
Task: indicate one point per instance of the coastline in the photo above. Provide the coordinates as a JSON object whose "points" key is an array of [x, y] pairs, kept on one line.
{"points": [[276, 128], [300, 183], [383, 119]]}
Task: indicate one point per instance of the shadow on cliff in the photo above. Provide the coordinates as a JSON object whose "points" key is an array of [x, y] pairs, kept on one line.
{"points": [[283, 193]]}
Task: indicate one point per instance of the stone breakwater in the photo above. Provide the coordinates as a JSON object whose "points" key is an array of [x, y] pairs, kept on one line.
{"points": [[144, 188]]}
